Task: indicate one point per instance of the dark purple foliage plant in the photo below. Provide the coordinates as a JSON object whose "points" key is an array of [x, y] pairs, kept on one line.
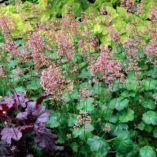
{"points": [[20, 116]]}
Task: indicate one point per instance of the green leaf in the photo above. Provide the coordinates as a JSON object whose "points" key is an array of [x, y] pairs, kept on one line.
{"points": [[128, 94], [97, 88], [121, 11], [123, 146], [141, 126], [19, 41], [72, 120], [54, 56], [121, 131], [116, 86], [84, 73], [61, 139], [149, 84], [107, 112], [53, 122], [74, 146], [98, 145], [99, 28], [70, 96], [154, 72], [155, 132], [110, 10], [20, 89], [78, 132], [134, 152], [131, 85], [148, 103], [148, 128], [104, 94], [150, 117], [34, 84], [126, 116], [86, 105], [112, 118], [82, 131], [118, 103], [147, 151], [12, 63]]}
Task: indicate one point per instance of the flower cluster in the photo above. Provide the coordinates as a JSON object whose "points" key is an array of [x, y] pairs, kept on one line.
{"points": [[2, 73], [153, 14], [128, 4], [69, 23], [107, 128], [108, 68], [132, 56], [139, 7], [87, 43], [83, 119], [65, 45], [114, 34], [38, 46], [53, 81], [151, 51], [84, 92], [6, 27], [17, 73]]}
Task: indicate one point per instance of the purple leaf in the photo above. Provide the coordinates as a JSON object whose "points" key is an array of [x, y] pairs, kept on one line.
{"points": [[42, 114], [37, 114], [10, 133], [21, 116], [31, 106], [20, 99], [5, 150], [44, 117], [45, 139], [8, 101]]}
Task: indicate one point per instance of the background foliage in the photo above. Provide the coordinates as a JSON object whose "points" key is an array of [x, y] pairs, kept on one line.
{"points": [[97, 60]]}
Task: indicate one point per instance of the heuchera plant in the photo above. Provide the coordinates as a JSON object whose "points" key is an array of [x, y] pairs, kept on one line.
{"points": [[22, 115]]}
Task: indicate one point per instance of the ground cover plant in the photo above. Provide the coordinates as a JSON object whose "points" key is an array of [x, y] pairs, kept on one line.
{"points": [[78, 80]]}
